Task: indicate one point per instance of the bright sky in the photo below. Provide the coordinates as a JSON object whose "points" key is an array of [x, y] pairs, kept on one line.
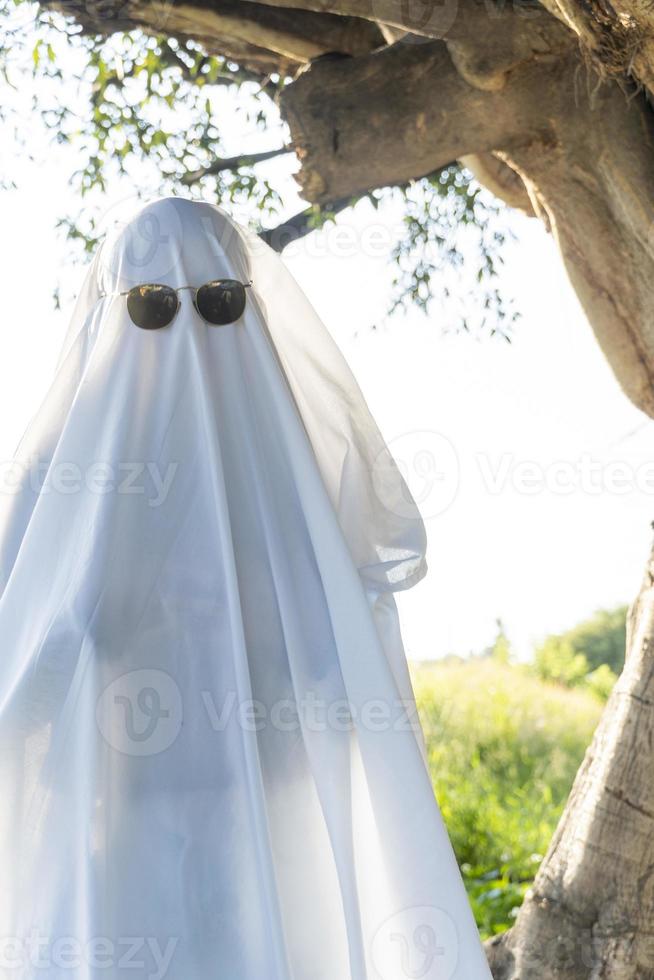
{"points": [[534, 472]]}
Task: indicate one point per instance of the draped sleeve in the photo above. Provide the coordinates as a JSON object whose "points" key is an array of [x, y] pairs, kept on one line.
{"points": [[377, 514]]}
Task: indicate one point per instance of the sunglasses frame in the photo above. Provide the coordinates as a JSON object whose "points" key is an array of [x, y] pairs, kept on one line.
{"points": [[179, 289]]}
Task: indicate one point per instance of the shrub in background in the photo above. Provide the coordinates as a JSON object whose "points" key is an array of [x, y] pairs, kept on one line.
{"points": [[590, 654], [503, 749]]}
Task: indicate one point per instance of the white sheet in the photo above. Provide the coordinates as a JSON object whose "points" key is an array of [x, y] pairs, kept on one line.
{"points": [[205, 765]]}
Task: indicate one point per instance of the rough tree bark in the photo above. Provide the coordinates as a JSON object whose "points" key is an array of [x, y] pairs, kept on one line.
{"points": [[589, 913], [549, 105], [584, 152]]}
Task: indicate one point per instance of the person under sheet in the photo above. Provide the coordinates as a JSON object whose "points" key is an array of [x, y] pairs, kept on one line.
{"points": [[209, 759]]}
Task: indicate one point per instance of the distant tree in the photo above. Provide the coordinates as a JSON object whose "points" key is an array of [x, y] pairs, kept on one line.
{"points": [[556, 660], [601, 681], [596, 642], [501, 648], [602, 638]]}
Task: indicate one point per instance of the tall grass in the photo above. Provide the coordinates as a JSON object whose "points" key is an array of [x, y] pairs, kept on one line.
{"points": [[503, 749]]}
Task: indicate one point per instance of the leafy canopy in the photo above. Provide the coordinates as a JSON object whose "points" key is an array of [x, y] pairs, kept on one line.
{"points": [[147, 109]]}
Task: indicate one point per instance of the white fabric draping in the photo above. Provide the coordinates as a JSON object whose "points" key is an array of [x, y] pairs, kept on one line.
{"points": [[208, 756]]}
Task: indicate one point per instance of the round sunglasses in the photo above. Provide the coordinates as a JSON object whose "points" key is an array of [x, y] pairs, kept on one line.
{"points": [[153, 305]]}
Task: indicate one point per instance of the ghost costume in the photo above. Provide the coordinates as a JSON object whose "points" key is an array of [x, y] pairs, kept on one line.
{"points": [[209, 761]]}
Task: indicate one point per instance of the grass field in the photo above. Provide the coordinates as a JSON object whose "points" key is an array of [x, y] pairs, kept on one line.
{"points": [[503, 748]]}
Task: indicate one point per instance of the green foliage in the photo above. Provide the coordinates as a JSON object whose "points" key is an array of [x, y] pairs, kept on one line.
{"points": [[556, 660], [145, 109], [503, 750], [590, 654], [451, 222], [504, 743], [500, 650], [600, 681], [602, 638], [141, 99]]}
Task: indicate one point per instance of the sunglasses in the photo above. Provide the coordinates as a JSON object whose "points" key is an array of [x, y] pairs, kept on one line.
{"points": [[153, 306]]}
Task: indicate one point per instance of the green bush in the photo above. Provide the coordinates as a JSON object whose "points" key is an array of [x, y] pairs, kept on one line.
{"points": [[556, 660], [589, 655], [503, 749], [602, 638], [600, 681]]}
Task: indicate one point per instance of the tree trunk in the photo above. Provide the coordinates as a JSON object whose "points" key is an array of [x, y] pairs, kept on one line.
{"points": [[583, 148], [590, 913]]}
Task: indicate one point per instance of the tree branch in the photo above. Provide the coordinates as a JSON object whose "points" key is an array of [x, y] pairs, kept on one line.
{"points": [[620, 34], [220, 164], [300, 225], [500, 179], [227, 75], [401, 113], [445, 20], [427, 19], [406, 110], [255, 35]]}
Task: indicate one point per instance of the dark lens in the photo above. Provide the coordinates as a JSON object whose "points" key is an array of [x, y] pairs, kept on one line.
{"points": [[222, 301], [152, 306]]}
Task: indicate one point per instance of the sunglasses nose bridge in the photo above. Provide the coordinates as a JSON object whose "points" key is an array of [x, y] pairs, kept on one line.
{"points": [[194, 299], [193, 290]]}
